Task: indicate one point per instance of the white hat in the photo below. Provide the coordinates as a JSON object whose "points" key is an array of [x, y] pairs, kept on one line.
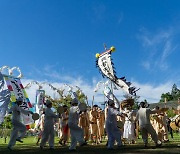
{"points": [[48, 102], [19, 99], [74, 101]]}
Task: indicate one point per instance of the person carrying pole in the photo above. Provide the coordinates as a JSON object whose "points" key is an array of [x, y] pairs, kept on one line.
{"points": [[18, 126]]}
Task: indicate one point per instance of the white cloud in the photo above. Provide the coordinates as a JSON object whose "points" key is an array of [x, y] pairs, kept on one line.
{"points": [[158, 47], [151, 93]]}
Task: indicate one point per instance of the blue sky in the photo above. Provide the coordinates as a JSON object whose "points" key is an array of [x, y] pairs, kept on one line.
{"points": [[56, 41]]}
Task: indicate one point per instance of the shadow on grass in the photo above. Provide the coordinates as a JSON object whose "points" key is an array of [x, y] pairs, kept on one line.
{"points": [[99, 149]]}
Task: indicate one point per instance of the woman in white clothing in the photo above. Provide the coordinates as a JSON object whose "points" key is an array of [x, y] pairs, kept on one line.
{"points": [[129, 126]]}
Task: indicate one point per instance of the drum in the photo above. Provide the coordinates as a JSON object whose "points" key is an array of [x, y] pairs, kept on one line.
{"points": [[60, 109], [175, 122], [173, 125], [35, 116], [82, 107], [120, 124]]}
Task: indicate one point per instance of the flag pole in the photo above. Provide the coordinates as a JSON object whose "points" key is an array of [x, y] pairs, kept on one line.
{"points": [[92, 101]]}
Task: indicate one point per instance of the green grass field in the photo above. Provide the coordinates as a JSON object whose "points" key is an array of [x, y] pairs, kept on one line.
{"points": [[29, 146]]}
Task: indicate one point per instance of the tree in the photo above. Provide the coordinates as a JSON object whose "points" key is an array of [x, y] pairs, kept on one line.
{"points": [[136, 102], [171, 113], [167, 95], [7, 122], [66, 100], [175, 92], [173, 95]]}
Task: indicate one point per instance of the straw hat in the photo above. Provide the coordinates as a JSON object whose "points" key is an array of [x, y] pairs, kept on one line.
{"points": [[127, 102]]}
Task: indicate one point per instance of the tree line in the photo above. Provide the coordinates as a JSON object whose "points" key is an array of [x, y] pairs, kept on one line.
{"points": [[173, 95]]}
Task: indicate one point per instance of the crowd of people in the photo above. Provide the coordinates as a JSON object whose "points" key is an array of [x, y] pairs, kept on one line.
{"points": [[93, 125]]}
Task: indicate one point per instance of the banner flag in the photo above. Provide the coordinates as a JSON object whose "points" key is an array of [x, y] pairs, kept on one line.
{"points": [[17, 91], [40, 100], [106, 68]]}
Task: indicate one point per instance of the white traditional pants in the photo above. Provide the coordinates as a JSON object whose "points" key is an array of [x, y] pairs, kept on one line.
{"points": [[48, 135], [17, 127], [77, 135], [113, 134]]}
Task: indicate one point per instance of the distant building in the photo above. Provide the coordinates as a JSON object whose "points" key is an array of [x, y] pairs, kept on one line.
{"points": [[175, 105]]}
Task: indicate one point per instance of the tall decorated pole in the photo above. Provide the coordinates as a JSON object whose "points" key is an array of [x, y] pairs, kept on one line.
{"points": [[106, 68]]}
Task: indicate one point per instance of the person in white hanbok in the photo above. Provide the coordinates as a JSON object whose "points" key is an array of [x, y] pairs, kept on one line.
{"points": [[18, 126], [112, 130], [143, 116], [129, 126], [48, 132], [76, 132]]}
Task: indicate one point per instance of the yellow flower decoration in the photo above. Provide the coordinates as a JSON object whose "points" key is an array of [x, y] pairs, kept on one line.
{"points": [[113, 48], [97, 55]]}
